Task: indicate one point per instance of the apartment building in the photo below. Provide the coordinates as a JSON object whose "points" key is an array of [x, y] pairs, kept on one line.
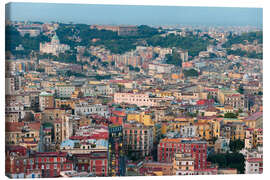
{"points": [[138, 99]]}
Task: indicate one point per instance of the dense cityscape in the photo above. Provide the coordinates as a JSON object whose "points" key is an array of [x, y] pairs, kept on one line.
{"points": [[122, 100]]}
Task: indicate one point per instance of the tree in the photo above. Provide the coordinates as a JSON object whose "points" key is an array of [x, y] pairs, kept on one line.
{"points": [[236, 145], [194, 44], [250, 37], [71, 73], [64, 106], [212, 55], [67, 57], [121, 87], [174, 59], [13, 39], [136, 69], [213, 140], [130, 67], [241, 90], [86, 54], [190, 73], [104, 64], [112, 63], [240, 111], [228, 160], [230, 115]]}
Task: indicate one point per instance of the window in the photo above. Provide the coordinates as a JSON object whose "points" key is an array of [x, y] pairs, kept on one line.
{"points": [[55, 173]]}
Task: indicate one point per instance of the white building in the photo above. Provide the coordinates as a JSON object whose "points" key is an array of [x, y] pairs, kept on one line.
{"points": [[33, 32], [97, 89], [183, 164], [86, 109], [160, 68], [54, 47], [188, 131], [254, 166], [138, 99], [16, 108], [65, 91], [12, 84]]}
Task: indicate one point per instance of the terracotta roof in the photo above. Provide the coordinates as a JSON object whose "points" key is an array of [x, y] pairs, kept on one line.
{"points": [[35, 125], [50, 154], [255, 116], [14, 126], [254, 159]]}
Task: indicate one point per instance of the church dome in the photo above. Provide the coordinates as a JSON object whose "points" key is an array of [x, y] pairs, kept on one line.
{"points": [[55, 39]]}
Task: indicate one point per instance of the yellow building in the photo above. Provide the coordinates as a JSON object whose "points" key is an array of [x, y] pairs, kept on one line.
{"points": [[235, 75], [48, 115], [251, 123], [159, 93], [204, 130], [76, 94], [164, 128], [215, 124], [176, 76], [176, 125], [238, 131], [227, 109], [231, 98], [141, 118], [65, 102], [231, 120], [184, 119]]}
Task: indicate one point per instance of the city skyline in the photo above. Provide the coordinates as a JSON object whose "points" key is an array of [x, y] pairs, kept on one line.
{"points": [[128, 14], [87, 99]]}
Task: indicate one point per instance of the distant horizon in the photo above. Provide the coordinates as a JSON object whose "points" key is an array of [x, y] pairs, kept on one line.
{"points": [[135, 15]]}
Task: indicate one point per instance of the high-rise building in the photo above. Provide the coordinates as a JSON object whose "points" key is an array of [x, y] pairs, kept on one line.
{"points": [[46, 100], [138, 139], [197, 148], [116, 151]]}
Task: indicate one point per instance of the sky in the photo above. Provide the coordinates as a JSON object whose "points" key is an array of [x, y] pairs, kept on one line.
{"points": [[134, 15]]}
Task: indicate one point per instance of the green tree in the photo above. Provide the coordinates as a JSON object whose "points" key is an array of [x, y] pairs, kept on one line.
{"points": [[241, 90], [240, 111], [230, 115], [236, 145], [136, 69], [130, 67], [174, 59], [104, 64], [190, 73], [112, 63], [228, 160]]}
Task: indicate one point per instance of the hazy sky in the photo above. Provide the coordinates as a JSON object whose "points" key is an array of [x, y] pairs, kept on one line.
{"points": [[124, 14]]}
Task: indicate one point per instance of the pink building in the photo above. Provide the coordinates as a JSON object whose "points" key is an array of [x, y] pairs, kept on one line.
{"points": [[138, 99]]}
